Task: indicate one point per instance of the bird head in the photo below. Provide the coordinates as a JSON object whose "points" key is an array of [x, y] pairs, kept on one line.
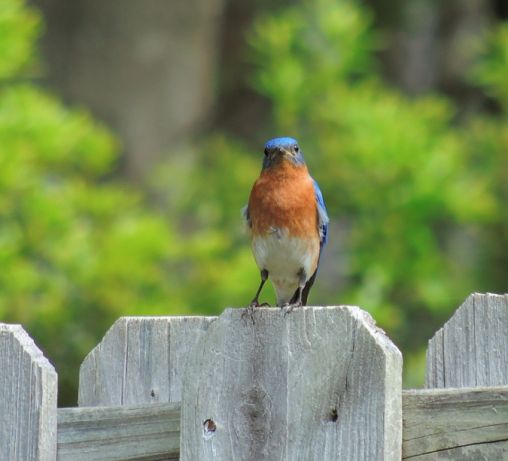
{"points": [[280, 149]]}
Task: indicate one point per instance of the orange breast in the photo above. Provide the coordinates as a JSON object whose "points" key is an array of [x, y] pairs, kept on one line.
{"points": [[283, 197]]}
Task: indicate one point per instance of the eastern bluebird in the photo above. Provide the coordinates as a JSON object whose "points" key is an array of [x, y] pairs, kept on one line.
{"points": [[287, 218]]}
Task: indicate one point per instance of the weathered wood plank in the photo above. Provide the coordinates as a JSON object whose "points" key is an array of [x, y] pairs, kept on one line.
{"points": [[140, 360], [322, 383], [478, 452], [456, 424], [472, 347], [28, 399], [141, 433], [461, 424]]}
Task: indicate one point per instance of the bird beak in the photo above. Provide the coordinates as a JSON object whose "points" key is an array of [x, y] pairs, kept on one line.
{"points": [[284, 153]]}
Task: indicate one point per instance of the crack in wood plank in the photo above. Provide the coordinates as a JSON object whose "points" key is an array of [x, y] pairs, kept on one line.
{"points": [[466, 445]]}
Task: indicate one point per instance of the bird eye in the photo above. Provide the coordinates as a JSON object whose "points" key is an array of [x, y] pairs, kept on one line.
{"points": [[297, 149], [266, 151]]}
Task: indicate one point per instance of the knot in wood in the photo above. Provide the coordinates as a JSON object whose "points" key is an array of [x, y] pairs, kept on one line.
{"points": [[253, 418]]}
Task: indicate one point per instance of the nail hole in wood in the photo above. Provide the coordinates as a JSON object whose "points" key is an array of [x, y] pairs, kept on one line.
{"points": [[209, 428], [333, 416]]}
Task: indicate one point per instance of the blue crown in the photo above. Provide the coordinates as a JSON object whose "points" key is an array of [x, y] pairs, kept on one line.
{"points": [[280, 142]]}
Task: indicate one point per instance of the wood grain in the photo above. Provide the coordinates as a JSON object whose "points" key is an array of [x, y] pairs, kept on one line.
{"points": [[28, 399], [455, 424], [472, 347], [322, 383], [140, 360], [438, 424], [141, 433]]}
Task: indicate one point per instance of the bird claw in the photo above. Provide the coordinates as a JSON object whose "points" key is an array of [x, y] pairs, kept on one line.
{"points": [[288, 307], [255, 304], [251, 308], [249, 312]]}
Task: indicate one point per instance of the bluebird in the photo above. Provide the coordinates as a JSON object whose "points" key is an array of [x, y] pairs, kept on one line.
{"points": [[288, 223]]}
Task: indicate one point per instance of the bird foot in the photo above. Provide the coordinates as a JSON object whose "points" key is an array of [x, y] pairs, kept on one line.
{"points": [[249, 312], [254, 303], [251, 308], [288, 307]]}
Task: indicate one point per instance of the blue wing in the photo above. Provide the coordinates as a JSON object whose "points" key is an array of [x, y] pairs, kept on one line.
{"points": [[322, 215], [246, 215]]}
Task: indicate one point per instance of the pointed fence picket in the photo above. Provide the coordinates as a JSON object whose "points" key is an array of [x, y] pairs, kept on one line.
{"points": [[320, 384], [323, 383], [464, 413], [28, 392]]}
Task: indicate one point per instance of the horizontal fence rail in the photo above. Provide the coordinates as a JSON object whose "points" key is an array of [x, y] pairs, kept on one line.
{"points": [[323, 383], [456, 423], [145, 432], [435, 421]]}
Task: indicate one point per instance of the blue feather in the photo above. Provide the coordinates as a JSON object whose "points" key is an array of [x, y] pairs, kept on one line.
{"points": [[284, 141], [322, 214]]}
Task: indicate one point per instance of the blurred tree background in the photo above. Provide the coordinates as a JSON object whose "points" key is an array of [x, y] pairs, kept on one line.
{"points": [[400, 107]]}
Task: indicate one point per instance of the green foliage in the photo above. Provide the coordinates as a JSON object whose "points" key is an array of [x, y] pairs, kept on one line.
{"points": [[392, 168], [76, 250], [308, 49], [491, 70], [19, 27], [486, 140], [203, 189], [416, 197], [420, 195]]}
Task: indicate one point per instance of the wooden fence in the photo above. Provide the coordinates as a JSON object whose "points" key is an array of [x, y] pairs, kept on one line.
{"points": [[323, 383]]}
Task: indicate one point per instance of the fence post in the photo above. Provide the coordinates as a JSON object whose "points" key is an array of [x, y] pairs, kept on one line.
{"points": [[469, 351], [28, 399], [472, 347], [322, 383], [140, 360]]}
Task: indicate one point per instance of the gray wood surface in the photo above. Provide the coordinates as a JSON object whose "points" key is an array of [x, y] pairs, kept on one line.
{"points": [[140, 360], [149, 432], [455, 424], [476, 452], [322, 383], [28, 399], [469, 424], [472, 347]]}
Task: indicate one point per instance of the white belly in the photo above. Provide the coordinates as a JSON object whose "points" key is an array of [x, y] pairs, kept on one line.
{"points": [[284, 258]]}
